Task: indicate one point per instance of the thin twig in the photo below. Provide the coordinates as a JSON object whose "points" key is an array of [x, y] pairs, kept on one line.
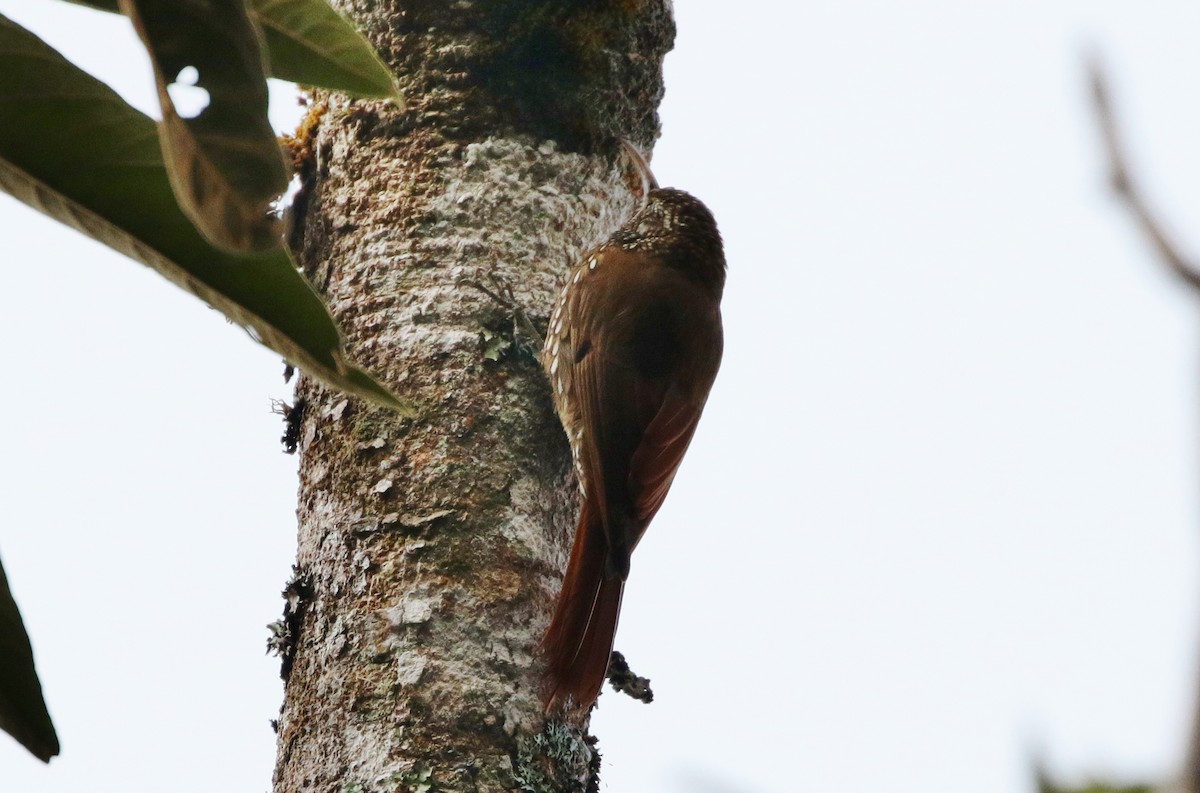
{"points": [[501, 292], [1128, 191], [1125, 187]]}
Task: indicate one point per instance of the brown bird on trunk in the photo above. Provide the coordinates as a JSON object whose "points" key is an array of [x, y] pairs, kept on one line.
{"points": [[633, 346]]}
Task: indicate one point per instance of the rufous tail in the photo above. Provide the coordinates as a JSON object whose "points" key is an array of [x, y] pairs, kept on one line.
{"points": [[579, 641]]}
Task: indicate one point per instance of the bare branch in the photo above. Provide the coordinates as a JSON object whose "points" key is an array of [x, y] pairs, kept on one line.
{"points": [[1123, 184]]}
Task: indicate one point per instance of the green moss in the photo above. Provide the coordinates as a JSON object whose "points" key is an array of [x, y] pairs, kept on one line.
{"points": [[416, 780], [372, 423], [493, 345], [552, 761], [1047, 785]]}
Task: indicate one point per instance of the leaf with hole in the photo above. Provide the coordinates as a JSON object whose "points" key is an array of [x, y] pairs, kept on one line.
{"points": [[72, 148], [222, 156]]}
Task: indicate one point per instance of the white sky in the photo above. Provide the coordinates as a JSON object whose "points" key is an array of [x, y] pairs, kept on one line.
{"points": [[940, 517]]}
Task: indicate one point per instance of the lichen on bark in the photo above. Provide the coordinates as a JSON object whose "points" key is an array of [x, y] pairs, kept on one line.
{"points": [[434, 546]]}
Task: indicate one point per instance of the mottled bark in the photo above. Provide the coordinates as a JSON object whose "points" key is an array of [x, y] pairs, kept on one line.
{"points": [[432, 547]]}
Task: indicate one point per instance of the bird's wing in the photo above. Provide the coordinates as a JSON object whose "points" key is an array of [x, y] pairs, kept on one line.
{"points": [[661, 450], [613, 399]]}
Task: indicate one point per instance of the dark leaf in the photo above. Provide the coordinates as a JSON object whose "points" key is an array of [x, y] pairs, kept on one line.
{"points": [[100, 5], [310, 43], [221, 153], [72, 148], [23, 713]]}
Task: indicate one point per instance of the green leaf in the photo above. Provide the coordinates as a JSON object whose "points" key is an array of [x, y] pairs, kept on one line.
{"points": [[100, 5], [72, 148], [224, 161], [23, 713], [310, 43]]}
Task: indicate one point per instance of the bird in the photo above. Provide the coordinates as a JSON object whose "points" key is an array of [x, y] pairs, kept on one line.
{"points": [[631, 352]]}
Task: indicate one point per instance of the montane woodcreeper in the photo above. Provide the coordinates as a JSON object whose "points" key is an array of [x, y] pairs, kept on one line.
{"points": [[633, 346]]}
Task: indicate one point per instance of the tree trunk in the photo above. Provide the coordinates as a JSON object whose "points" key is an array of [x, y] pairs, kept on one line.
{"points": [[430, 549]]}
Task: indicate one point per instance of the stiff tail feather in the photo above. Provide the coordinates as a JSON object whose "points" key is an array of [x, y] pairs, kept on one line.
{"points": [[579, 641]]}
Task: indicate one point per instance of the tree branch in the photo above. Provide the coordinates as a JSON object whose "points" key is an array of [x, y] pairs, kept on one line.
{"points": [[1124, 185]]}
